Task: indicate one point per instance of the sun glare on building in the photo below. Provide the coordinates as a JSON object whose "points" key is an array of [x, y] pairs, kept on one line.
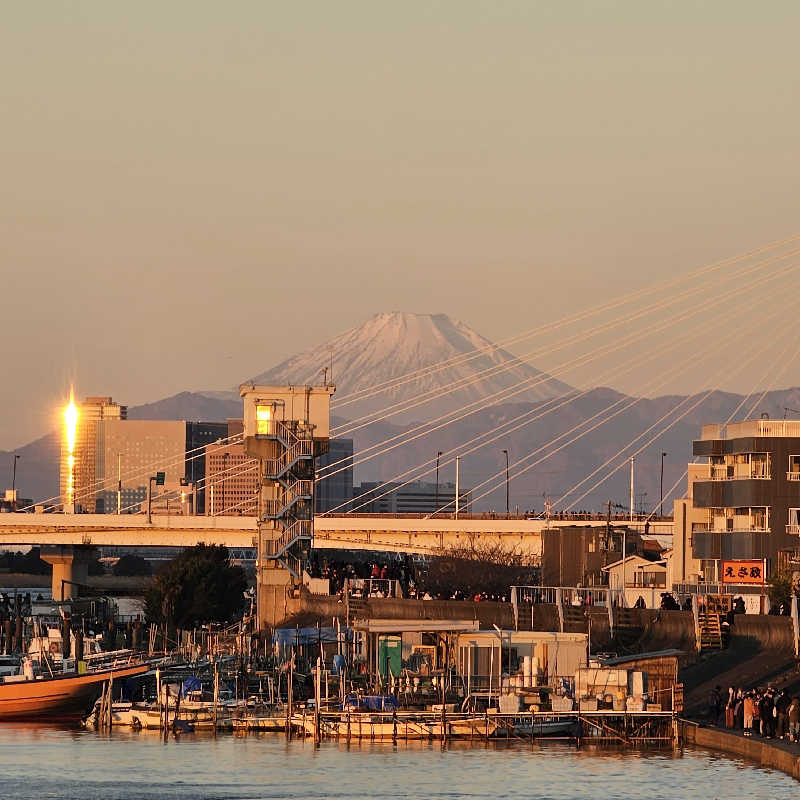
{"points": [[70, 434]]}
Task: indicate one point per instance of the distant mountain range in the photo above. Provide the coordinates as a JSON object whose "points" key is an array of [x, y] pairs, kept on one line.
{"points": [[392, 345]]}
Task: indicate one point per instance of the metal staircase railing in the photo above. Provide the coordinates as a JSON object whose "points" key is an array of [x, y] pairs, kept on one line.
{"points": [[276, 468], [299, 529], [291, 493], [294, 489]]}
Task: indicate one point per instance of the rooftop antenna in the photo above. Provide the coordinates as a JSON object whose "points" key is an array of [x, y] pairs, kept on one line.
{"points": [[787, 410]]}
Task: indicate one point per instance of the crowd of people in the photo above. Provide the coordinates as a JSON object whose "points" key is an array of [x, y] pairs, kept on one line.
{"points": [[768, 713], [337, 573]]}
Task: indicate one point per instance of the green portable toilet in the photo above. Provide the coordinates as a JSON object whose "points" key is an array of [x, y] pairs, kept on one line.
{"points": [[390, 649]]}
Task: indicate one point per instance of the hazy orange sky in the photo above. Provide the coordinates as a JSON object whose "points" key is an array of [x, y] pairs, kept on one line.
{"points": [[182, 179]]}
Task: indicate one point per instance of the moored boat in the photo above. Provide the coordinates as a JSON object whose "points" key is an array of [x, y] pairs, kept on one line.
{"points": [[385, 727], [63, 697]]}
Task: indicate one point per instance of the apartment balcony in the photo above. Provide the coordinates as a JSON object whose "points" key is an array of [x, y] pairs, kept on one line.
{"points": [[704, 527], [738, 472], [794, 529]]}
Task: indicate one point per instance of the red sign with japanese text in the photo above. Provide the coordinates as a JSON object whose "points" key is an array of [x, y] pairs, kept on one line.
{"points": [[743, 572]]}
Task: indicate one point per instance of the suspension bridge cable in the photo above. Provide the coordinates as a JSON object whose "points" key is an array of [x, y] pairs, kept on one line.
{"points": [[630, 297], [473, 407]]}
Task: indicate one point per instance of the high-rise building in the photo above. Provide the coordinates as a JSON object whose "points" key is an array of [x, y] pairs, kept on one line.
{"points": [[336, 491], [198, 436], [232, 481], [417, 497], [91, 412], [129, 453]]}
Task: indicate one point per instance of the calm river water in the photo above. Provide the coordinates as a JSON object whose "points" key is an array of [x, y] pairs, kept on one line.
{"points": [[51, 763]]}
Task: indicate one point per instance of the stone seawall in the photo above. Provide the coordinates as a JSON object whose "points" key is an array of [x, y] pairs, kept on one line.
{"points": [[766, 754]]}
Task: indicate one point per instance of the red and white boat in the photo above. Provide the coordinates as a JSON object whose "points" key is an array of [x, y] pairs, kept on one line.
{"points": [[64, 697]]}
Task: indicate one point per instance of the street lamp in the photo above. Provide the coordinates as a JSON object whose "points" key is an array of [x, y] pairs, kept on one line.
{"points": [[661, 503], [225, 457], [14, 484], [436, 503], [508, 507]]}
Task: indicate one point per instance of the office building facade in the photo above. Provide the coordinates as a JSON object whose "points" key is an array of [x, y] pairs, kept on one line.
{"points": [[336, 491], [417, 497], [85, 475]]}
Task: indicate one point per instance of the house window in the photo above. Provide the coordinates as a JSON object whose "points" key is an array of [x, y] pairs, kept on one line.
{"points": [[794, 468]]}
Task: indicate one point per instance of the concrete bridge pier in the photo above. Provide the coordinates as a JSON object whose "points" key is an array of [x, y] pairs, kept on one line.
{"points": [[274, 595], [70, 567]]}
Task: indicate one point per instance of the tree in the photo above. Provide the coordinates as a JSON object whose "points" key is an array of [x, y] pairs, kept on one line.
{"points": [[27, 563], [196, 587], [779, 588], [132, 565], [475, 567]]}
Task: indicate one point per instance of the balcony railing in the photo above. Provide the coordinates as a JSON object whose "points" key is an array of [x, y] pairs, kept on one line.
{"points": [[793, 528], [793, 476], [738, 472], [704, 527]]}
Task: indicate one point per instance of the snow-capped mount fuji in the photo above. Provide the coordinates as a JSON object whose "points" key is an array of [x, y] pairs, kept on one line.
{"points": [[415, 354]]}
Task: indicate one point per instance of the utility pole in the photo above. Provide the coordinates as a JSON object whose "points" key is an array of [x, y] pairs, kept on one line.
{"points": [[14, 483], [119, 483], [508, 507], [436, 502], [150, 500], [661, 502], [225, 457], [632, 496], [458, 463]]}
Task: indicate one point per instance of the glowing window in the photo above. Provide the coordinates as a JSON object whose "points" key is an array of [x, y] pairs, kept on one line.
{"points": [[263, 416]]}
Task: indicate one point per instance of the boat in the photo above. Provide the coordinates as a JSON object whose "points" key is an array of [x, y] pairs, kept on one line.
{"points": [[537, 725], [385, 727], [143, 716], [62, 697]]}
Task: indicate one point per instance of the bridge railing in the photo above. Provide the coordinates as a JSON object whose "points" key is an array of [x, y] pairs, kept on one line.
{"points": [[373, 587]]}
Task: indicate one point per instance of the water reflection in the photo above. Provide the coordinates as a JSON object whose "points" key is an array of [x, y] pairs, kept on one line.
{"points": [[38, 762]]}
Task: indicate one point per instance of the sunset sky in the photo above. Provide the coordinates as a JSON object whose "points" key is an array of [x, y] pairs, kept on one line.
{"points": [[193, 191]]}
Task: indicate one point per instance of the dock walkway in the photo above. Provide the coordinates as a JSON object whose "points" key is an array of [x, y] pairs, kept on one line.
{"points": [[772, 753]]}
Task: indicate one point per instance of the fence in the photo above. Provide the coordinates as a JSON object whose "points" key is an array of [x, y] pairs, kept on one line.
{"points": [[565, 595]]}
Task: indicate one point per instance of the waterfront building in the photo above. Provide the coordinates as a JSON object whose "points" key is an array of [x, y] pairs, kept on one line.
{"points": [[744, 502], [417, 497], [577, 555]]}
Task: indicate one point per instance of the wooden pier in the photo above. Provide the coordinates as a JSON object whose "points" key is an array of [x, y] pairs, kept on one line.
{"points": [[629, 729]]}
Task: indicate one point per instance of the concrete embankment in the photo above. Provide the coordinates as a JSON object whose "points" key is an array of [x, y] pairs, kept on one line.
{"points": [[760, 651], [775, 755]]}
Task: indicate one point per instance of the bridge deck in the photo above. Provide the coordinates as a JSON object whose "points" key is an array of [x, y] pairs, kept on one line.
{"points": [[391, 533]]}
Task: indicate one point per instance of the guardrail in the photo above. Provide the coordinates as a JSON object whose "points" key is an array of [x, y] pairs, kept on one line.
{"points": [[566, 595], [373, 587]]}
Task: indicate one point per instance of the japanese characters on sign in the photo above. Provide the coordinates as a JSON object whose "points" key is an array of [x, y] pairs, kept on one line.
{"points": [[743, 572]]}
